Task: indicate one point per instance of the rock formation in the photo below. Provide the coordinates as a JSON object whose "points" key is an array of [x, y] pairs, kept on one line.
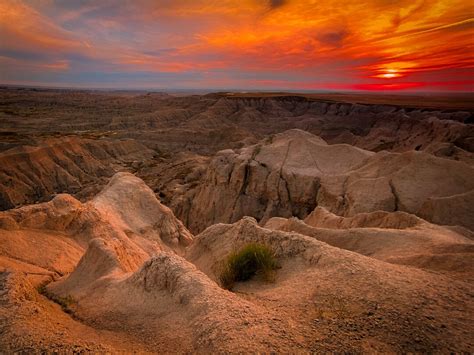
{"points": [[53, 235], [72, 165], [293, 172]]}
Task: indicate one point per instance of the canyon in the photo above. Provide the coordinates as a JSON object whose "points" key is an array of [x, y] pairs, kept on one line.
{"points": [[117, 210]]}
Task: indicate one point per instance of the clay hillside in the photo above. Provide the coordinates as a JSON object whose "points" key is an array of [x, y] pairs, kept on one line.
{"points": [[235, 223]]}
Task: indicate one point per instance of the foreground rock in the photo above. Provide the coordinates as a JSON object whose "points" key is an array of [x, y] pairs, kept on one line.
{"points": [[125, 275], [344, 301], [48, 239], [43, 242]]}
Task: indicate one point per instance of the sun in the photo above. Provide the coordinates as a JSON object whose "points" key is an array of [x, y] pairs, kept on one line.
{"points": [[388, 74]]}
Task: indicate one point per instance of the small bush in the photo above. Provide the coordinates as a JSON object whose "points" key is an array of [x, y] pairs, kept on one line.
{"points": [[251, 260]]}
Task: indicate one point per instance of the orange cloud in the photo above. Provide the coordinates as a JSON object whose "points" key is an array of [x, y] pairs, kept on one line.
{"points": [[355, 43], [21, 27]]}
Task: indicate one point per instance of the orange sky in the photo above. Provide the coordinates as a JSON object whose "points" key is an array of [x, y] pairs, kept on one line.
{"points": [[246, 44]]}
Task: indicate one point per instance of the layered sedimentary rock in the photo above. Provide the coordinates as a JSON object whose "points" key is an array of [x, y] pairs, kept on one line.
{"points": [[208, 123], [195, 125], [57, 165], [279, 177], [291, 173]]}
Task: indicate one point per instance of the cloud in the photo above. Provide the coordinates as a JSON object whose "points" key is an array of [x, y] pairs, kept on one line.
{"points": [[276, 3], [333, 38], [360, 44]]}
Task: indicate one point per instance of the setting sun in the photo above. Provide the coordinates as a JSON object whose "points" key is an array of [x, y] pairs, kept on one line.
{"points": [[389, 74]]}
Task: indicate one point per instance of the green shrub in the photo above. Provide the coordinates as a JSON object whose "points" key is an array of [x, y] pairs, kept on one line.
{"points": [[251, 260]]}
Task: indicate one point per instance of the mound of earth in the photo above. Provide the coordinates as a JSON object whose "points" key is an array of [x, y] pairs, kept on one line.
{"points": [[291, 173], [344, 301], [43, 242], [129, 204], [168, 299], [322, 218], [49, 238]]}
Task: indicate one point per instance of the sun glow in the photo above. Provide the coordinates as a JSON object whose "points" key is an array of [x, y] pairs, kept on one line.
{"points": [[388, 74]]}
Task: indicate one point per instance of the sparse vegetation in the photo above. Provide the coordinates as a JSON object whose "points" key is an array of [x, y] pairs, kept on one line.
{"points": [[253, 259]]}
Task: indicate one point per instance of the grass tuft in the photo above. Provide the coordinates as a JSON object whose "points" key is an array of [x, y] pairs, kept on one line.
{"points": [[247, 262]]}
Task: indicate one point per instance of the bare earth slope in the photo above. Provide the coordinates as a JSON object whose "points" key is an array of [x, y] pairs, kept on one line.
{"points": [[394, 237], [334, 300]]}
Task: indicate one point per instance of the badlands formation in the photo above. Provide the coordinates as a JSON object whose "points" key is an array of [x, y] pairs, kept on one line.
{"points": [[118, 210]]}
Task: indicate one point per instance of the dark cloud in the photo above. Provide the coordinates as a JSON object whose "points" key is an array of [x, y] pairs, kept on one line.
{"points": [[276, 3], [333, 38], [23, 54]]}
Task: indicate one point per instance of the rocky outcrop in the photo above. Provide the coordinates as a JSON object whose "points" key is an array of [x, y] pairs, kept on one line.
{"points": [[322, 218], [281, 176], [51, 237], [291, 173], [450, 210], [132, 206]]}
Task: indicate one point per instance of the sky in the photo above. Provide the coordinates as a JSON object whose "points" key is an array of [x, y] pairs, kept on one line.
{"points": [[331, 45]]}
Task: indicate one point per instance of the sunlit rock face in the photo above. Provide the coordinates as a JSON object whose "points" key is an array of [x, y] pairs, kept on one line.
{"points": [[291, 173]]}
